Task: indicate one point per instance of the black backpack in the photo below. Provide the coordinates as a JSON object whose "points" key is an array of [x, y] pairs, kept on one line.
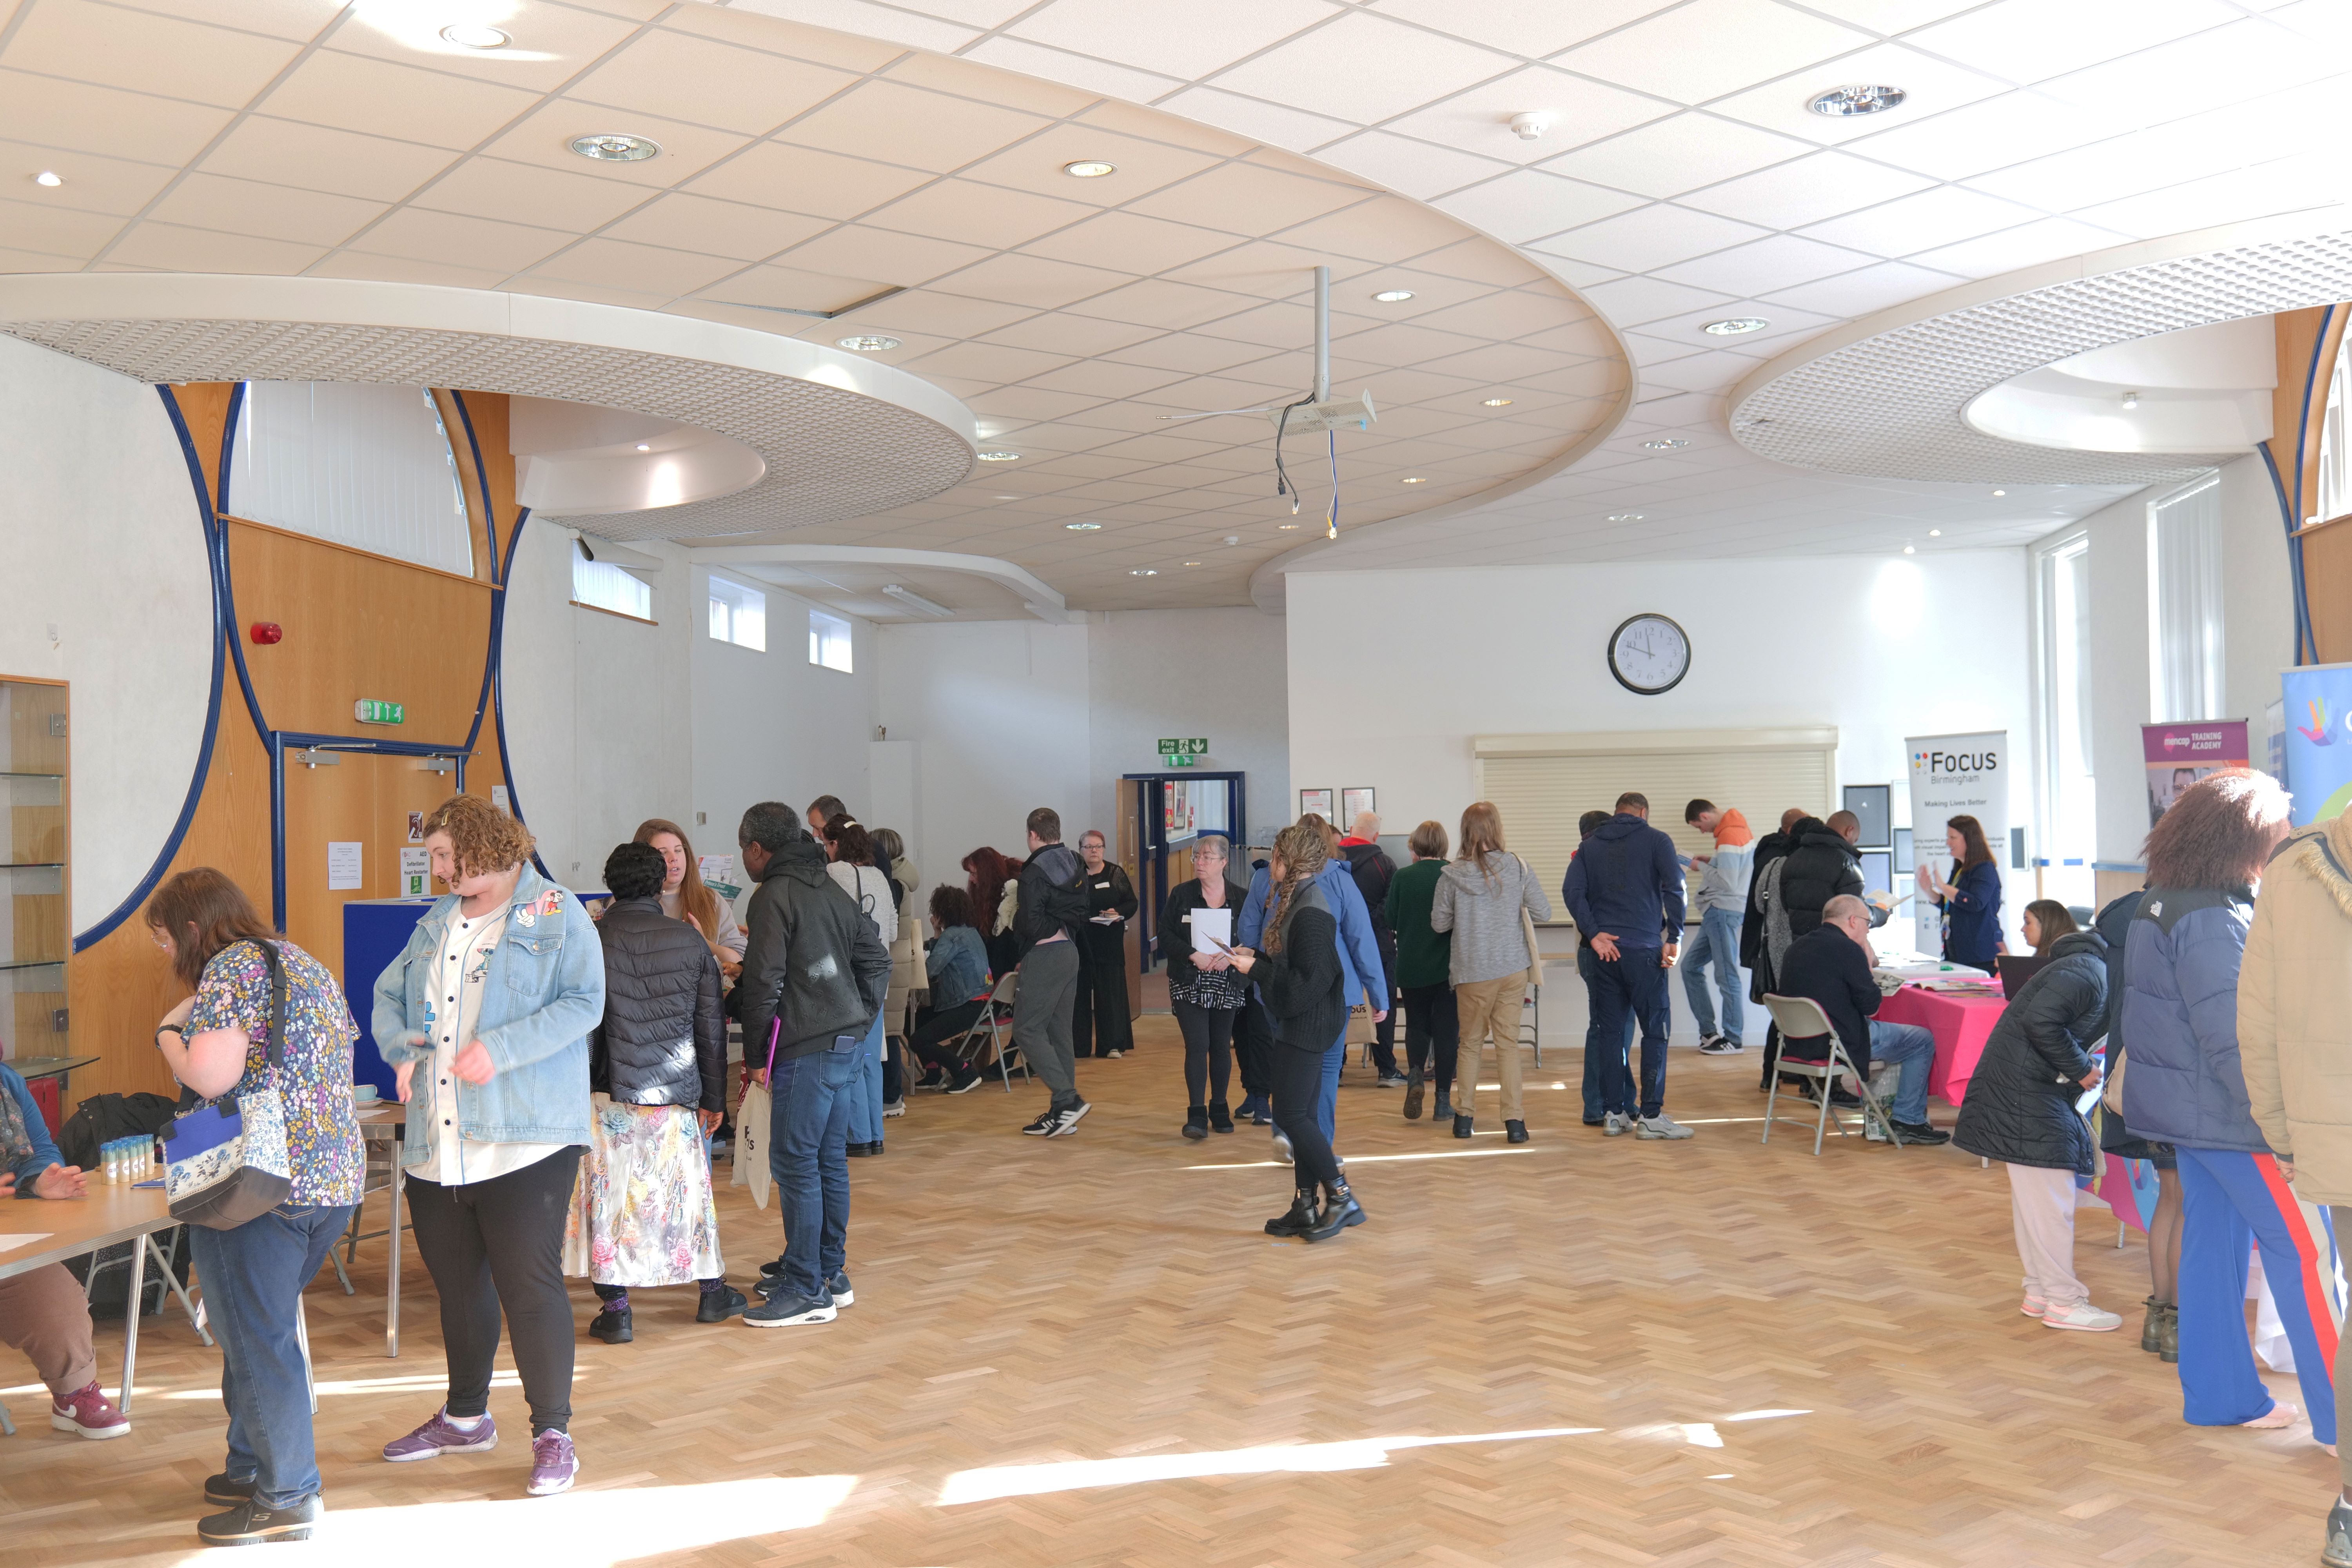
{"points": [[102, 1118]]}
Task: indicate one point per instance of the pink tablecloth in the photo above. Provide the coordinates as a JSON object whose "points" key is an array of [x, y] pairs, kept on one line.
{"points": [[1961, 1025]]}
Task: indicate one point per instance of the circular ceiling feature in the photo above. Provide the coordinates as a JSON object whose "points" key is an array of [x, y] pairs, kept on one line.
{"points": [[1844, 102], [1735, 326], [475, 35], [867, 344], [1083, 527], [1392, 296], [1667, 444], [1000, 457], [616, 147], [1089, 169]]}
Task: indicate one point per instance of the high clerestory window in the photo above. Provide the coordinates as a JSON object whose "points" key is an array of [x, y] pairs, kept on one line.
{"points": [[363, 464]]}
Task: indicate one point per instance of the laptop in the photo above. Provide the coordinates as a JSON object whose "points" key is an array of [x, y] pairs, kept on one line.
{"points": [[2015, 971]]}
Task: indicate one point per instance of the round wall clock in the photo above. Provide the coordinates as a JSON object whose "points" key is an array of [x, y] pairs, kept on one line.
{"points": [[1649, 654]]}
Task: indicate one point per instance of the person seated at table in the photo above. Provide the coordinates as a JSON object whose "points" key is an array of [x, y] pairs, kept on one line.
{"points": [[955, 967], [2045, 920], [42, 1311], [1830, 965]]}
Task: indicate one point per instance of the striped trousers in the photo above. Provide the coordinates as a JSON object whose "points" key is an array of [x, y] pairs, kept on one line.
{"points": [[2231, 1200]]}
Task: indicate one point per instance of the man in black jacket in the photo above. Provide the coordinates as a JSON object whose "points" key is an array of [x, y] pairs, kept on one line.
{"points": [[816, 975], [1373, 870], [1830, 965], [1051, 912]]}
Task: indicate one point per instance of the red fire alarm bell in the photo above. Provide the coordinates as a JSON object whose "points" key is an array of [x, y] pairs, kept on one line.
{"points": [[268, 632]]}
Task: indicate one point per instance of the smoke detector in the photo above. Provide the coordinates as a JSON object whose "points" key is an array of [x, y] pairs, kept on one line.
{"points": [[1530, 127]]}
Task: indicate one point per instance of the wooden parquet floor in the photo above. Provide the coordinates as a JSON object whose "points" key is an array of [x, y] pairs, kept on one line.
{"points": [[1084, 1351]]}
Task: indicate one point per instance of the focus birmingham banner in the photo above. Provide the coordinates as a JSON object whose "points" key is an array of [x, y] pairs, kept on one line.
{"points": [[1954, 775]]}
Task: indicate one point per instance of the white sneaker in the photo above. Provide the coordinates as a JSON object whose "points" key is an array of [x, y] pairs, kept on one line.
{"points": [[2081, 1315], [2032, 1306], [896, 1108], [1661, 1126], [1615, 1124], [1720, 1046], [1282, 1148]]}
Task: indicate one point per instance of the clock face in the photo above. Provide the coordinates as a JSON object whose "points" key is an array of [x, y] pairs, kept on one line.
{"points": [[1649, 654]]}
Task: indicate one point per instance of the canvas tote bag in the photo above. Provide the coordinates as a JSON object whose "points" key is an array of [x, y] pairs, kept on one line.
{"points": [[227, 1159]]}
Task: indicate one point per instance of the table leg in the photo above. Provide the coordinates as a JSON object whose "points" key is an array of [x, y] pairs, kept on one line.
{"points": [[392, 1266], [132, 1304]]}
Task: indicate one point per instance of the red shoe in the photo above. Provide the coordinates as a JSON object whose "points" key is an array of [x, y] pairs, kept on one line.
{"points": [[90, 1413]]}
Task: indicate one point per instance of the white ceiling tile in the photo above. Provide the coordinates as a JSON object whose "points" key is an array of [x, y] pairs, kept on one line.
{"points": [[1709, 47], [681, 77], [321, 158], [2188, 149], [1931, 87], [2028, 244], [910, 126], [716, 228], [2247, 59], [200, 250], [524, 193], [1418, 169], [2012, 128], [1528, 203], [79, 40], [56, 232], [1667, 157], [1873, 289], [1190, 41], [378, 98], [52, 113], [1890, 15], [273, 211], [1530, 28], [1581, 110], [117, 186], [1777, 261], [1362, 67], [874, 21], [2028, 40], [1652, 236], [2283, 186], [1080, 70], [1943, 216], [1629, 302], [1252, 117], [1789, 196]]}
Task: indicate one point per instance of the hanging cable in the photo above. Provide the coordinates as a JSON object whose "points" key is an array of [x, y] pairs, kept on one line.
{"points": [[1331, 447], [1282, 485]]}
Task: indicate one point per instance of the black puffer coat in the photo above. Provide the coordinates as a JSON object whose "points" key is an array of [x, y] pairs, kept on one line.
{"points": [[2020, 1108], [664, 1039], [1821, 865]]}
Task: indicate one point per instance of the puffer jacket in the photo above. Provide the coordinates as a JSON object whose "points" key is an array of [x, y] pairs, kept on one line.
{"points": [[2020, 1108], [664, 1038], [1822, 865], [2294, 1010], [2184, 1085]]}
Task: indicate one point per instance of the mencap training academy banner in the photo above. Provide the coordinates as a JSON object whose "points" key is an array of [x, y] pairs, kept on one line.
{"points": [[1955, 775], [2318, 699], [2177, 755]]}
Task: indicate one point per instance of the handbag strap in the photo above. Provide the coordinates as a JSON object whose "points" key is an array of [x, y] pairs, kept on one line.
{"points": [[277, 1051]]}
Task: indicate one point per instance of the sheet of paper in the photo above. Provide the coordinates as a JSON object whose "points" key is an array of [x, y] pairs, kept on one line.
{"points": [[7, 1242], [1211, 927], [498, 797], [345, 865], [415, 873]]}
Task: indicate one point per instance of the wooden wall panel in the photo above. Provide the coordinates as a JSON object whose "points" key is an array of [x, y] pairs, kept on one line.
{"points": [[2308, 342], [2327, 588]]}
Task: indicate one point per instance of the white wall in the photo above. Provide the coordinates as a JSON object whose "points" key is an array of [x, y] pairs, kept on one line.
{"points": [[1214, 673], [103, 540]]}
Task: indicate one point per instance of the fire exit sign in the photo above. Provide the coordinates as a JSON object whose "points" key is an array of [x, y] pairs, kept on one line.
{"points": [[1198, 746], [370, 710]]}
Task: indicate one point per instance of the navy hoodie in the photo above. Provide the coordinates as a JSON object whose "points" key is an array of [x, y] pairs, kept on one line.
{"points": [[1624, 881]]}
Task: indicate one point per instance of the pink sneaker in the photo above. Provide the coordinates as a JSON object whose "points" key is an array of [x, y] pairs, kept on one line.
{"points": [[553, 1464], [438, 1438], [2034, 1306], [90, 1413]]}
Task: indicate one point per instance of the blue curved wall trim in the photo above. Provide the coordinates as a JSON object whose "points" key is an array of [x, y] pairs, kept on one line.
{"points": [[179, 833], [228, 440], [494, 675]]}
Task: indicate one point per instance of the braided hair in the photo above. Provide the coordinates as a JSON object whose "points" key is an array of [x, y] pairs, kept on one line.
{"points": [[1300, 849]]}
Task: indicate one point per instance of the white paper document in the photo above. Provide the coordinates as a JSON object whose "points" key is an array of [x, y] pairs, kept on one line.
{"points": [[7, 1242], [345, 864], [1211, 927]]}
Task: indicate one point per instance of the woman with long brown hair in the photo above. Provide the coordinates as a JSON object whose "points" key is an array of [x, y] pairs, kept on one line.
{"points": [[224, 1038], [987, 873], [1971, 899], [849, 849], [1297, 970], [1479, 899], [686, 896], [2043, 923]]}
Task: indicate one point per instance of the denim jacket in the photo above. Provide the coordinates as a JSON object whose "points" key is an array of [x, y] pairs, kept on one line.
{"points": [[544, 991]]}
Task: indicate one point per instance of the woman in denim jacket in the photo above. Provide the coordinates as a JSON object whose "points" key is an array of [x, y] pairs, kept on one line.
{"points": [[485, 1018]]}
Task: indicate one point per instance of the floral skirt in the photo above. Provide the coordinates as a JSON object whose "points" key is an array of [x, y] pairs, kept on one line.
{"points": [[642, 1213]]}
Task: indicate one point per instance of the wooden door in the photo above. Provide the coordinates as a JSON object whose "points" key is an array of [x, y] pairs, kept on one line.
{"points": [[366, 799]]}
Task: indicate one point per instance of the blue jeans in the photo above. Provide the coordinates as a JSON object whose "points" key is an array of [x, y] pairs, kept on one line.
{"points": [[1624, 989], [1912, 1048], [253, 1278], [866, 1104], [1717, 943], [1326, 1096], [1595, 1074], [808, 1154]]}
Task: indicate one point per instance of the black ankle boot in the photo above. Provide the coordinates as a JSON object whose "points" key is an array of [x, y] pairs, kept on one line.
{"points": [[613, 1328], [1340, 1210], [1514, 1131], [1300, 1218], [1196, 1122], [1221, 1120], [1461, 1125]]}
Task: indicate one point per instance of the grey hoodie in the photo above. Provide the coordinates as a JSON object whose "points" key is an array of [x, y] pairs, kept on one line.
{"points": [[1484, 916]]}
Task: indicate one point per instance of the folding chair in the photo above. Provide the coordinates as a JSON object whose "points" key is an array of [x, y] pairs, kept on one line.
{"points": [[1531, 1015], [1801, 1018], [989, 1024], [163, 1266]]}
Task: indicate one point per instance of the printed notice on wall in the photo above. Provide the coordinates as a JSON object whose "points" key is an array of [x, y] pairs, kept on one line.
{"points": [[498, 797], [415, 873], [346, 867]]}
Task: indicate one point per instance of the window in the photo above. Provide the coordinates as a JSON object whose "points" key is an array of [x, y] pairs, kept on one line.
{"points": [[2184, 603], [739, 615], [2069, 805], [829, 641], [363, 464], [601, 586], [2335, 443]]}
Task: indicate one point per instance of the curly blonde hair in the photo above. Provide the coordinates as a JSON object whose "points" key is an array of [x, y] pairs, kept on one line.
{"points": [[1301, 849], [482, 838]]}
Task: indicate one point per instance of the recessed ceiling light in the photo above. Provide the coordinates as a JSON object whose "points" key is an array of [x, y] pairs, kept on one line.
{"points": [[475, 35], [1392, 296], [1844, 102], [1908, 550], [1000, 457], [1191, 564], [644, 445], [48, 177], [1732, 326], [1667, 444], [1089, 169], [1287, 527], [1083, 527], [1624, 517], [867, 344], [616, 147], [1143, 572], [2131, 400], [1004, 498], [2000, 493], [1935, 534], [1496, 403], [1414, 480]]}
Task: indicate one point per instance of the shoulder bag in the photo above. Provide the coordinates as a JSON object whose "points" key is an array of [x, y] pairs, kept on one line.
{"points": [[1527, 930], [227, 1159]]}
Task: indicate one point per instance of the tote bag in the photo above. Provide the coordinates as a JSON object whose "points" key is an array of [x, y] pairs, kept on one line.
{"points": [[227, 1159], [751, 1158]]}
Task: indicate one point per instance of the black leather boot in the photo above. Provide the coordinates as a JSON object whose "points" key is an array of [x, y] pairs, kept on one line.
{"points": [[1221, 1119], [1196, 1122], [1340, 1210], [1300, 1218], [1461, 1125]]}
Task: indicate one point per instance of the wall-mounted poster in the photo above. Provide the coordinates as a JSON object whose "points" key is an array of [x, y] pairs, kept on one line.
{"points": [[2177, 755], [1314, 800], [1353, 803], [2318, 702], [417, 827], [1953, 775]]}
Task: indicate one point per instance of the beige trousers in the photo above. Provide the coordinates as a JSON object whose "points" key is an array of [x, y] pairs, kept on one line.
{"points": [[2042, 1206], [42, 1314], [1484, 1007]]}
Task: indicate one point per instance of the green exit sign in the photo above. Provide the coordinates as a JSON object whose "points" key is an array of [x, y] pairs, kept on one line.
{"points": [[369, 711], [1181, 760], [1197, 746]]}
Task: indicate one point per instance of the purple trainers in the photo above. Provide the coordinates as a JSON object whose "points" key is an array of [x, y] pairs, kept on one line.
{"points": [[437, 1437], [553, 1464]]}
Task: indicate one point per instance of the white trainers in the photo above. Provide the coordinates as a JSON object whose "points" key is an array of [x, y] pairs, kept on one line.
{"points": [[2081, 1315], [2032, 1306], [1281, 1148], [1616, 1124], [1661, 1126], [1720, 1046]]}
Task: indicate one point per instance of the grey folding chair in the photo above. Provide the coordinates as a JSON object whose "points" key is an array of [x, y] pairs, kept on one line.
{"points": [[989, 1025], [1801, 1018]]}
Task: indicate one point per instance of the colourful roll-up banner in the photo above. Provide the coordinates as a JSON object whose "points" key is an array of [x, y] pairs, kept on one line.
{"points": [[1955, 775], [2318, 699], [2177, 755]]}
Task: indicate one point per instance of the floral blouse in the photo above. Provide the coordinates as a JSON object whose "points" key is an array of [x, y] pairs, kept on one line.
{"points": [[325, 1156]]}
